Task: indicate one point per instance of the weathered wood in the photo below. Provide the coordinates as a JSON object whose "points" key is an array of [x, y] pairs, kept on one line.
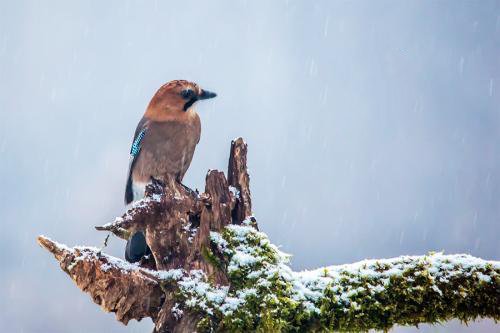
{"points": [[239, 178], [177, 223], [127, 290], [134, 218]]}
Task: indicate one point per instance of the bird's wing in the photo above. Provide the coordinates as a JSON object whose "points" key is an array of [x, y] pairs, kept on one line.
{"points": [[135, 150]]}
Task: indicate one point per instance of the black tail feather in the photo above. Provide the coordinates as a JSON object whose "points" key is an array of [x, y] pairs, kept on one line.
{"points": [[136, 247]]}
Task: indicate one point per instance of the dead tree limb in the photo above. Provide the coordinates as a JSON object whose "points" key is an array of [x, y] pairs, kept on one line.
{"points": [[115, 285], [212, 270]]}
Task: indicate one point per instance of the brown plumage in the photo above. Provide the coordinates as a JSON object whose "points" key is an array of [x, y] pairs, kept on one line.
{"points": [[163, 146], [171, 130]]}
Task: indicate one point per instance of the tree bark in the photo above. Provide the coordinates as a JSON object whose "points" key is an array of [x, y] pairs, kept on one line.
{"points": [[211, 269], [127, 290]]}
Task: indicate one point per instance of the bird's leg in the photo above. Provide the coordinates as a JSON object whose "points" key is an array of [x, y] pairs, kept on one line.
{"points": [[157, 182], [156, 186]]}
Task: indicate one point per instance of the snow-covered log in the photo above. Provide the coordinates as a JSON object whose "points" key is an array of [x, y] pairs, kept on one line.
{"points": [[212, 270], [371, 294]]}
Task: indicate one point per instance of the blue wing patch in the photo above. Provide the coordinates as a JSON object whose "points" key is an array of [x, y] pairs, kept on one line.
{"points": [[134, 153], [136, 145]]}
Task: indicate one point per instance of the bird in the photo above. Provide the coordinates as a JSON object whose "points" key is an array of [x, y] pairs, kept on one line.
{"points": [[163, 146]]}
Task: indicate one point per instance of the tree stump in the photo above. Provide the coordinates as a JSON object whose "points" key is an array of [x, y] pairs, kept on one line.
{"points": [[177, 223]]}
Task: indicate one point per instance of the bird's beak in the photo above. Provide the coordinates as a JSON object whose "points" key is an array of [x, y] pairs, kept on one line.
{"points": [[205, 94]]}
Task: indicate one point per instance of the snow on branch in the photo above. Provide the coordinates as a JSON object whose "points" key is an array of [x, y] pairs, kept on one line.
{"points": [[372, 294]]}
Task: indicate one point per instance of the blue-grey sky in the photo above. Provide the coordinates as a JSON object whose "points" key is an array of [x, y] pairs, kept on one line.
{"points": [[373, 129]]}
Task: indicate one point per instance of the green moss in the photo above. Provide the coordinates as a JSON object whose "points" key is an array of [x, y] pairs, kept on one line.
{"points": [[404, 291]]}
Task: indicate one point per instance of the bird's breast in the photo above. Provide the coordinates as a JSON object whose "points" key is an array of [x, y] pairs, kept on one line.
{"points": [[166, 151]]}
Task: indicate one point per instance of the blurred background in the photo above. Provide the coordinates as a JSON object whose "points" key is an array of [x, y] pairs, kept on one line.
{"points": [[373, 130]]}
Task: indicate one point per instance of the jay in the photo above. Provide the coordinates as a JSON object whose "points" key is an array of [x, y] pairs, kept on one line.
{"points": [[163, 146]]}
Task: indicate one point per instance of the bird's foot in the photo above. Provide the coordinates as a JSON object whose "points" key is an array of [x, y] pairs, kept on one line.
{"points": [[155, 187]]}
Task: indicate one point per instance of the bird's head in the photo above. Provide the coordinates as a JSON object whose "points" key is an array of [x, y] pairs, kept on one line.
{"points": [[176, 98]]}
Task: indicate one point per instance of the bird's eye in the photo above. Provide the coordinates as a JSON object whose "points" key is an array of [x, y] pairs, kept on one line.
{"points": [[187, 93]]}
